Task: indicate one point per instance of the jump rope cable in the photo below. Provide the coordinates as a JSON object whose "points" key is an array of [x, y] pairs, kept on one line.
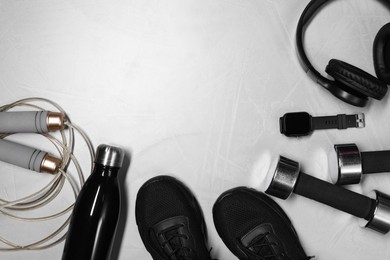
{"points": [[42, 197]]}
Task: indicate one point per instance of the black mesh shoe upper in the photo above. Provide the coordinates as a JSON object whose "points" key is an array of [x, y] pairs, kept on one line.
{"points": [[170, 221], [254, 227]]}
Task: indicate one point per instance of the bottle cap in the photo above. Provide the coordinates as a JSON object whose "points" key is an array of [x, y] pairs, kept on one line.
{"points": [[109, 155]]}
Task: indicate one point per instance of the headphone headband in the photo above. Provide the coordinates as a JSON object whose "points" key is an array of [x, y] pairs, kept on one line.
{"points": [[306, 15]]}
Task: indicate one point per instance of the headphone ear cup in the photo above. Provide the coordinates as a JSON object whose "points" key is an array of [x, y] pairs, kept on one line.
{"points": [[381, 53], [356, 79]]}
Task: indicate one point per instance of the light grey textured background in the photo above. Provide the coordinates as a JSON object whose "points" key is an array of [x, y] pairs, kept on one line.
{"points": [[193, 88]]}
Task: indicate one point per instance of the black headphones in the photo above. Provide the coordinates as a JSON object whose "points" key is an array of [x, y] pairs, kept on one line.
{"points": [[350, 84]]}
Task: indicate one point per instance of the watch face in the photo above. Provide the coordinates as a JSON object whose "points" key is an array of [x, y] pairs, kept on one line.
{"points": [[296, 124]]}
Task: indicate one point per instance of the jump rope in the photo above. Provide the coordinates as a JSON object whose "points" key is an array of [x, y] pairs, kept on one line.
{"points": [[64, 144]]}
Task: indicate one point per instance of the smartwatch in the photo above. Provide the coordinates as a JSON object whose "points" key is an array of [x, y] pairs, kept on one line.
{"points": [[297, 124]]}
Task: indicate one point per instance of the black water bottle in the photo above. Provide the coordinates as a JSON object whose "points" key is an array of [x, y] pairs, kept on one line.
{"points": [[96, 211]]}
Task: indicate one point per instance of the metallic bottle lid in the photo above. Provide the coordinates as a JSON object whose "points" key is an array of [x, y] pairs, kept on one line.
{"points": [[109, 155]]}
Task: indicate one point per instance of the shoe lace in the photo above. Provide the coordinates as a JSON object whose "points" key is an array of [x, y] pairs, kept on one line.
{"points": [[174, 240], [260, 246]]}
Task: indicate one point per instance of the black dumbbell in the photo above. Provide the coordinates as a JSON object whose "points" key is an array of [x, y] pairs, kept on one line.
{"points": [[289, 179], [347, 163]]}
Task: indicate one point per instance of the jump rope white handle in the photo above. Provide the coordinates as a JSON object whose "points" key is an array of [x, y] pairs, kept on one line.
{"points": [[28, 157], [31, 122]]}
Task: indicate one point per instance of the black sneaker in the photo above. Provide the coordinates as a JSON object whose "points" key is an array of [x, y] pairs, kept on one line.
{"points": [[170, 221], [254, 227]]}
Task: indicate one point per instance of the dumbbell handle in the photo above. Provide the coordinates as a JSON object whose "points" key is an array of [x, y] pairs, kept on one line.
{"points": [[334, 196], [27, 157], [374, 162], [30, 122]]}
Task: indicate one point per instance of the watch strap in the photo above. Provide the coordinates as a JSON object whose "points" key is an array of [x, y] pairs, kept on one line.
{"points": [[341, 121]]}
